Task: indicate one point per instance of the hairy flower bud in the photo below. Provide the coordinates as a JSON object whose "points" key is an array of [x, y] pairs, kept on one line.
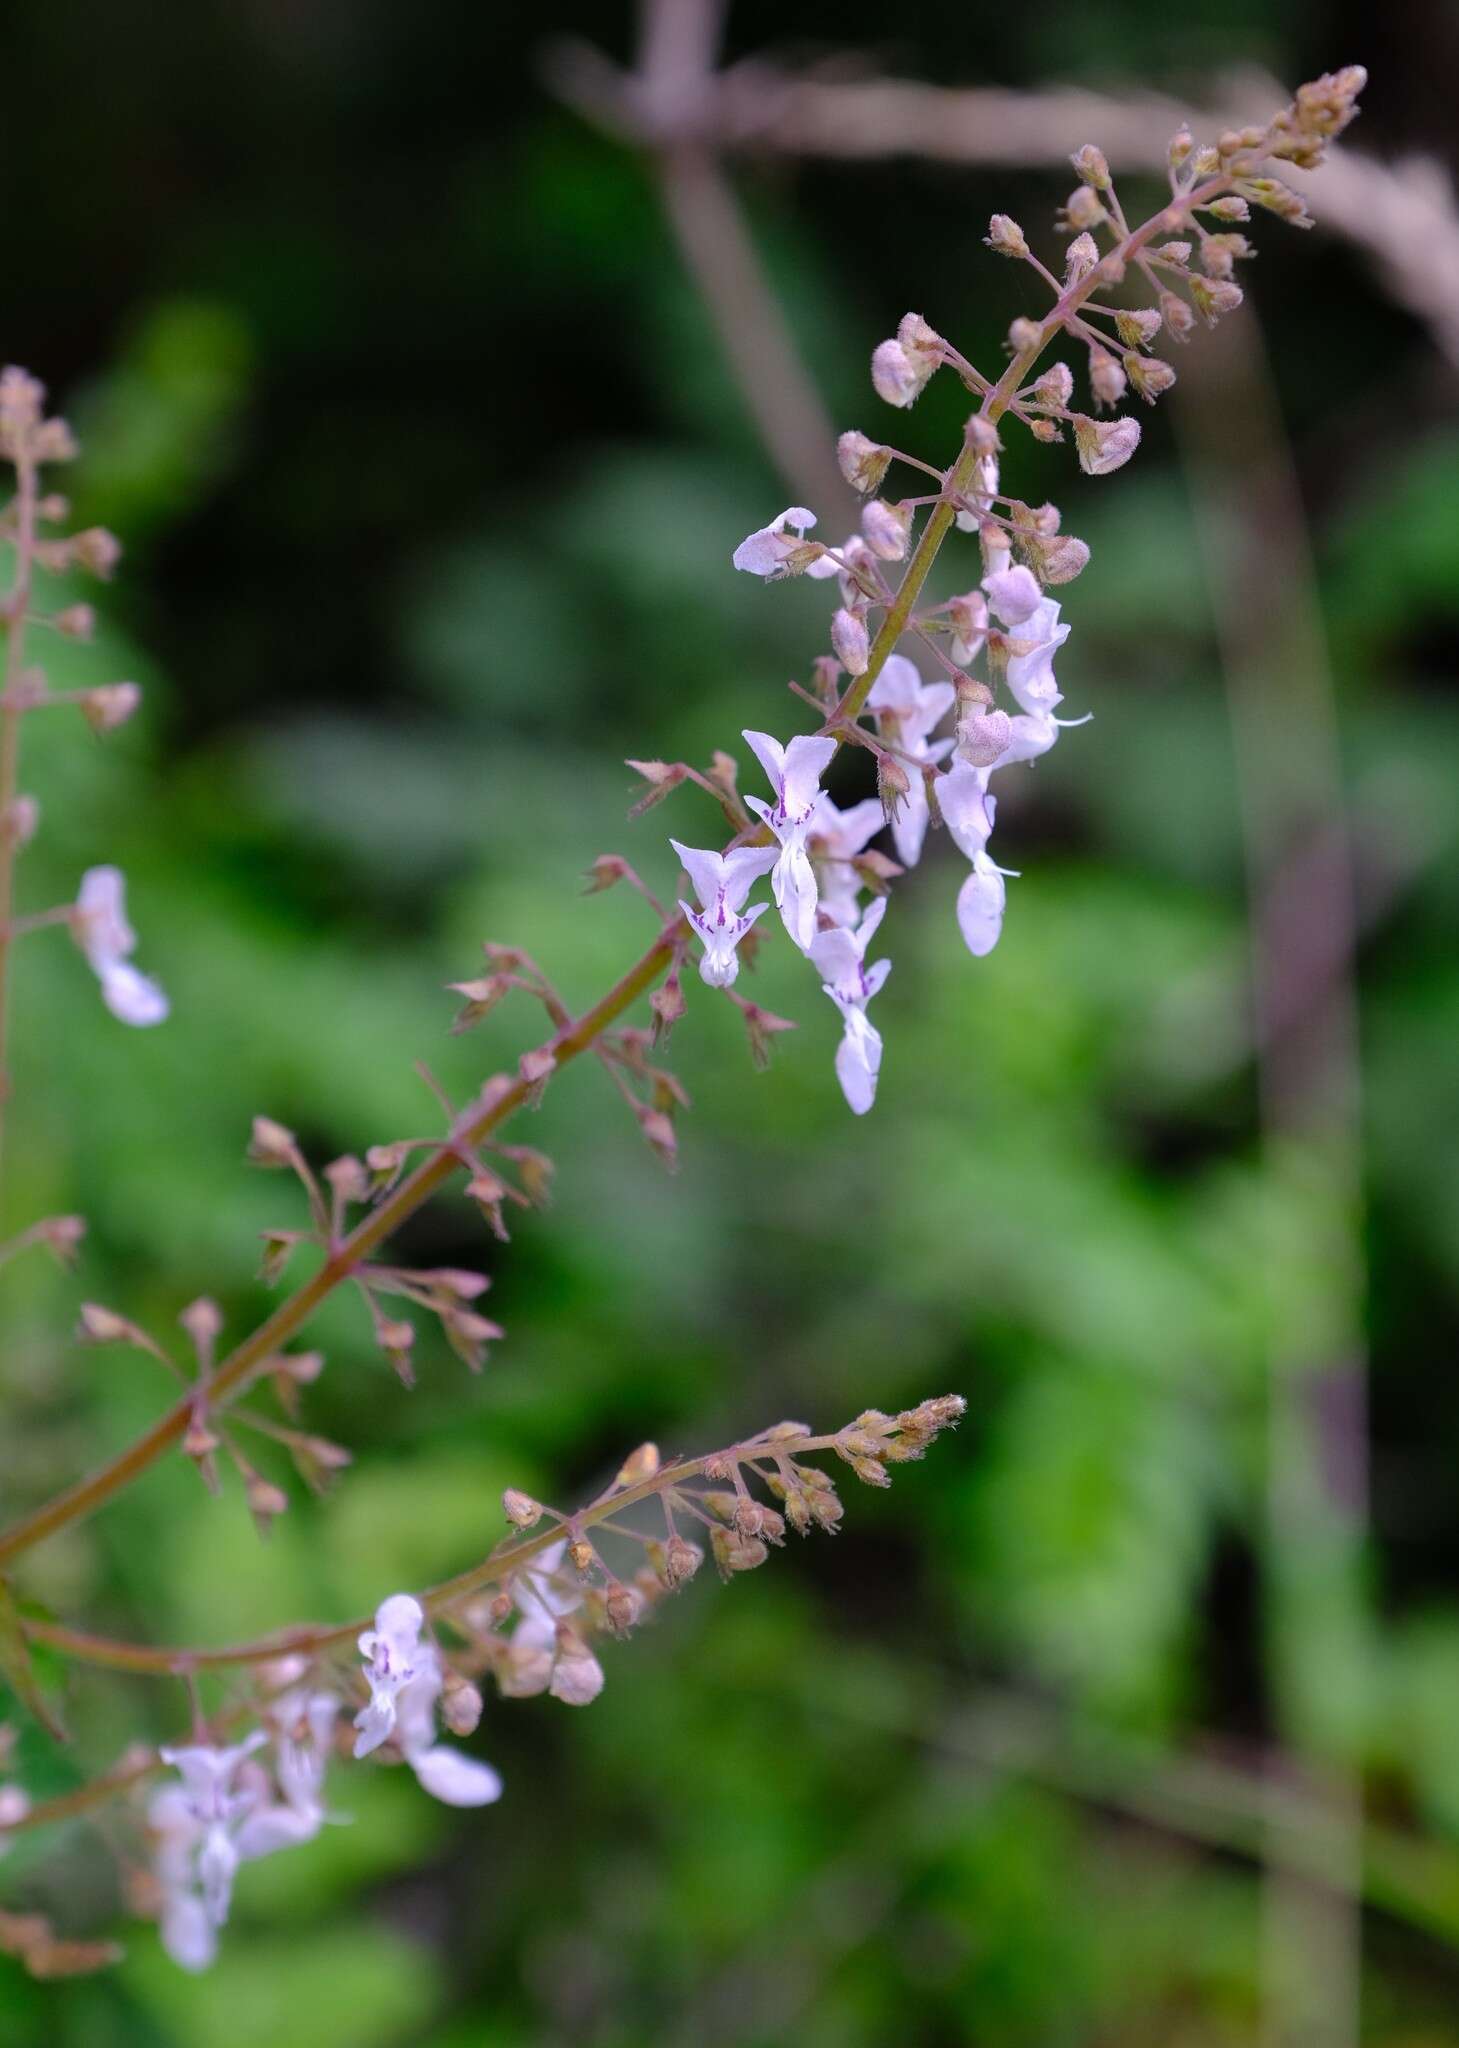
{"points": [[1211, 300], [681, 1561], [460, 1704], [1177, 315], [863, 462], [520, 1509], [1137, 326], [1005, 237], [1055, 387], [1105, 444], [1093, 166], [1150, 375], [1082, 256], [271, 1144], [1106, 378], [851, 641], [887, 528], [1082, 210], [895, 377], [1023, 335]]}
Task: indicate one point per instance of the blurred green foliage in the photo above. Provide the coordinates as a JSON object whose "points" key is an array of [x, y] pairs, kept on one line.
{"points": [[430, 470]]}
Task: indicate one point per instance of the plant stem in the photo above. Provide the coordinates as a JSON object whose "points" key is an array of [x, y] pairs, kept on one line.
{"points": [[238, 1368], [17, 604]]}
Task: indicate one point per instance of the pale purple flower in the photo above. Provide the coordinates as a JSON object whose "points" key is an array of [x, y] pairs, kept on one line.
{"points": [[840, 957], [766, 552], [980, 494], [910, 709], [969, 616], [834, 839], [1013, 594], [108, 941], [722, 882], [794, 773], [1031, 658], [406, 1680], [896, 375], [887, 529], [197, 1823], [967, 808], [392, 1651]]}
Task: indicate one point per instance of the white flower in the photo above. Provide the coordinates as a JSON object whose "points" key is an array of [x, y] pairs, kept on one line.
{"points": [[967, 808], [545, 1653], [722, 882], [107, 940], [197, 1823], [794, 773], [980, 905], [1031, 658], [392, 1654], [405, 1683], [909, 710], [840, 957], [834, 839], [969, 616], [766, 552], [980, 494], [303, 1743]]}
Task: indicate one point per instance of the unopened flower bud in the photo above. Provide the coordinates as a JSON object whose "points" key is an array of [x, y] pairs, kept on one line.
{"points": [[1230, 207], [1083, 254], [892, 784], [520, 1509], [887, 529], [1177, 315], [1105, 445], [621, 1608], [1093, 166], [1150, 375], [864, 462], [111, 705], [460, 1704], [1005, 236], [1055, 387], [1137, 326], [96, 551], [271, 1144], [54, 442], [895, 377], [639, 1466], [681, 1560], [76, 622], [1181, 145], [1024, 335], [1061, 559], [851, 641], [1082, 210], [580, 1555], [1178, 253], [1106, 378], [1213, 299], [1044, 430], [21, 820]]}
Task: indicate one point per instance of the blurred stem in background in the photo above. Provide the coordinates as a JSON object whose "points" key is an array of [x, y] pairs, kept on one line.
{"points": [[1295, 844], [1299, 881]]}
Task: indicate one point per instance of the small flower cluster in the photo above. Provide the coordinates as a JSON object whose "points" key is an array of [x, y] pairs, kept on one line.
{"points": [[818, 857], [233, 1803], [97, 918]]}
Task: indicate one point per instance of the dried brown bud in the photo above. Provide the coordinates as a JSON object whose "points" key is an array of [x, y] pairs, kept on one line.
{"points": [[460, 1704], [580, 1555], [681, 1561], [520, 1509]]}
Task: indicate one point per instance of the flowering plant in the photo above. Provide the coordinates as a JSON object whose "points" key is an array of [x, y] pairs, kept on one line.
{"points": [[250, 1779]]}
